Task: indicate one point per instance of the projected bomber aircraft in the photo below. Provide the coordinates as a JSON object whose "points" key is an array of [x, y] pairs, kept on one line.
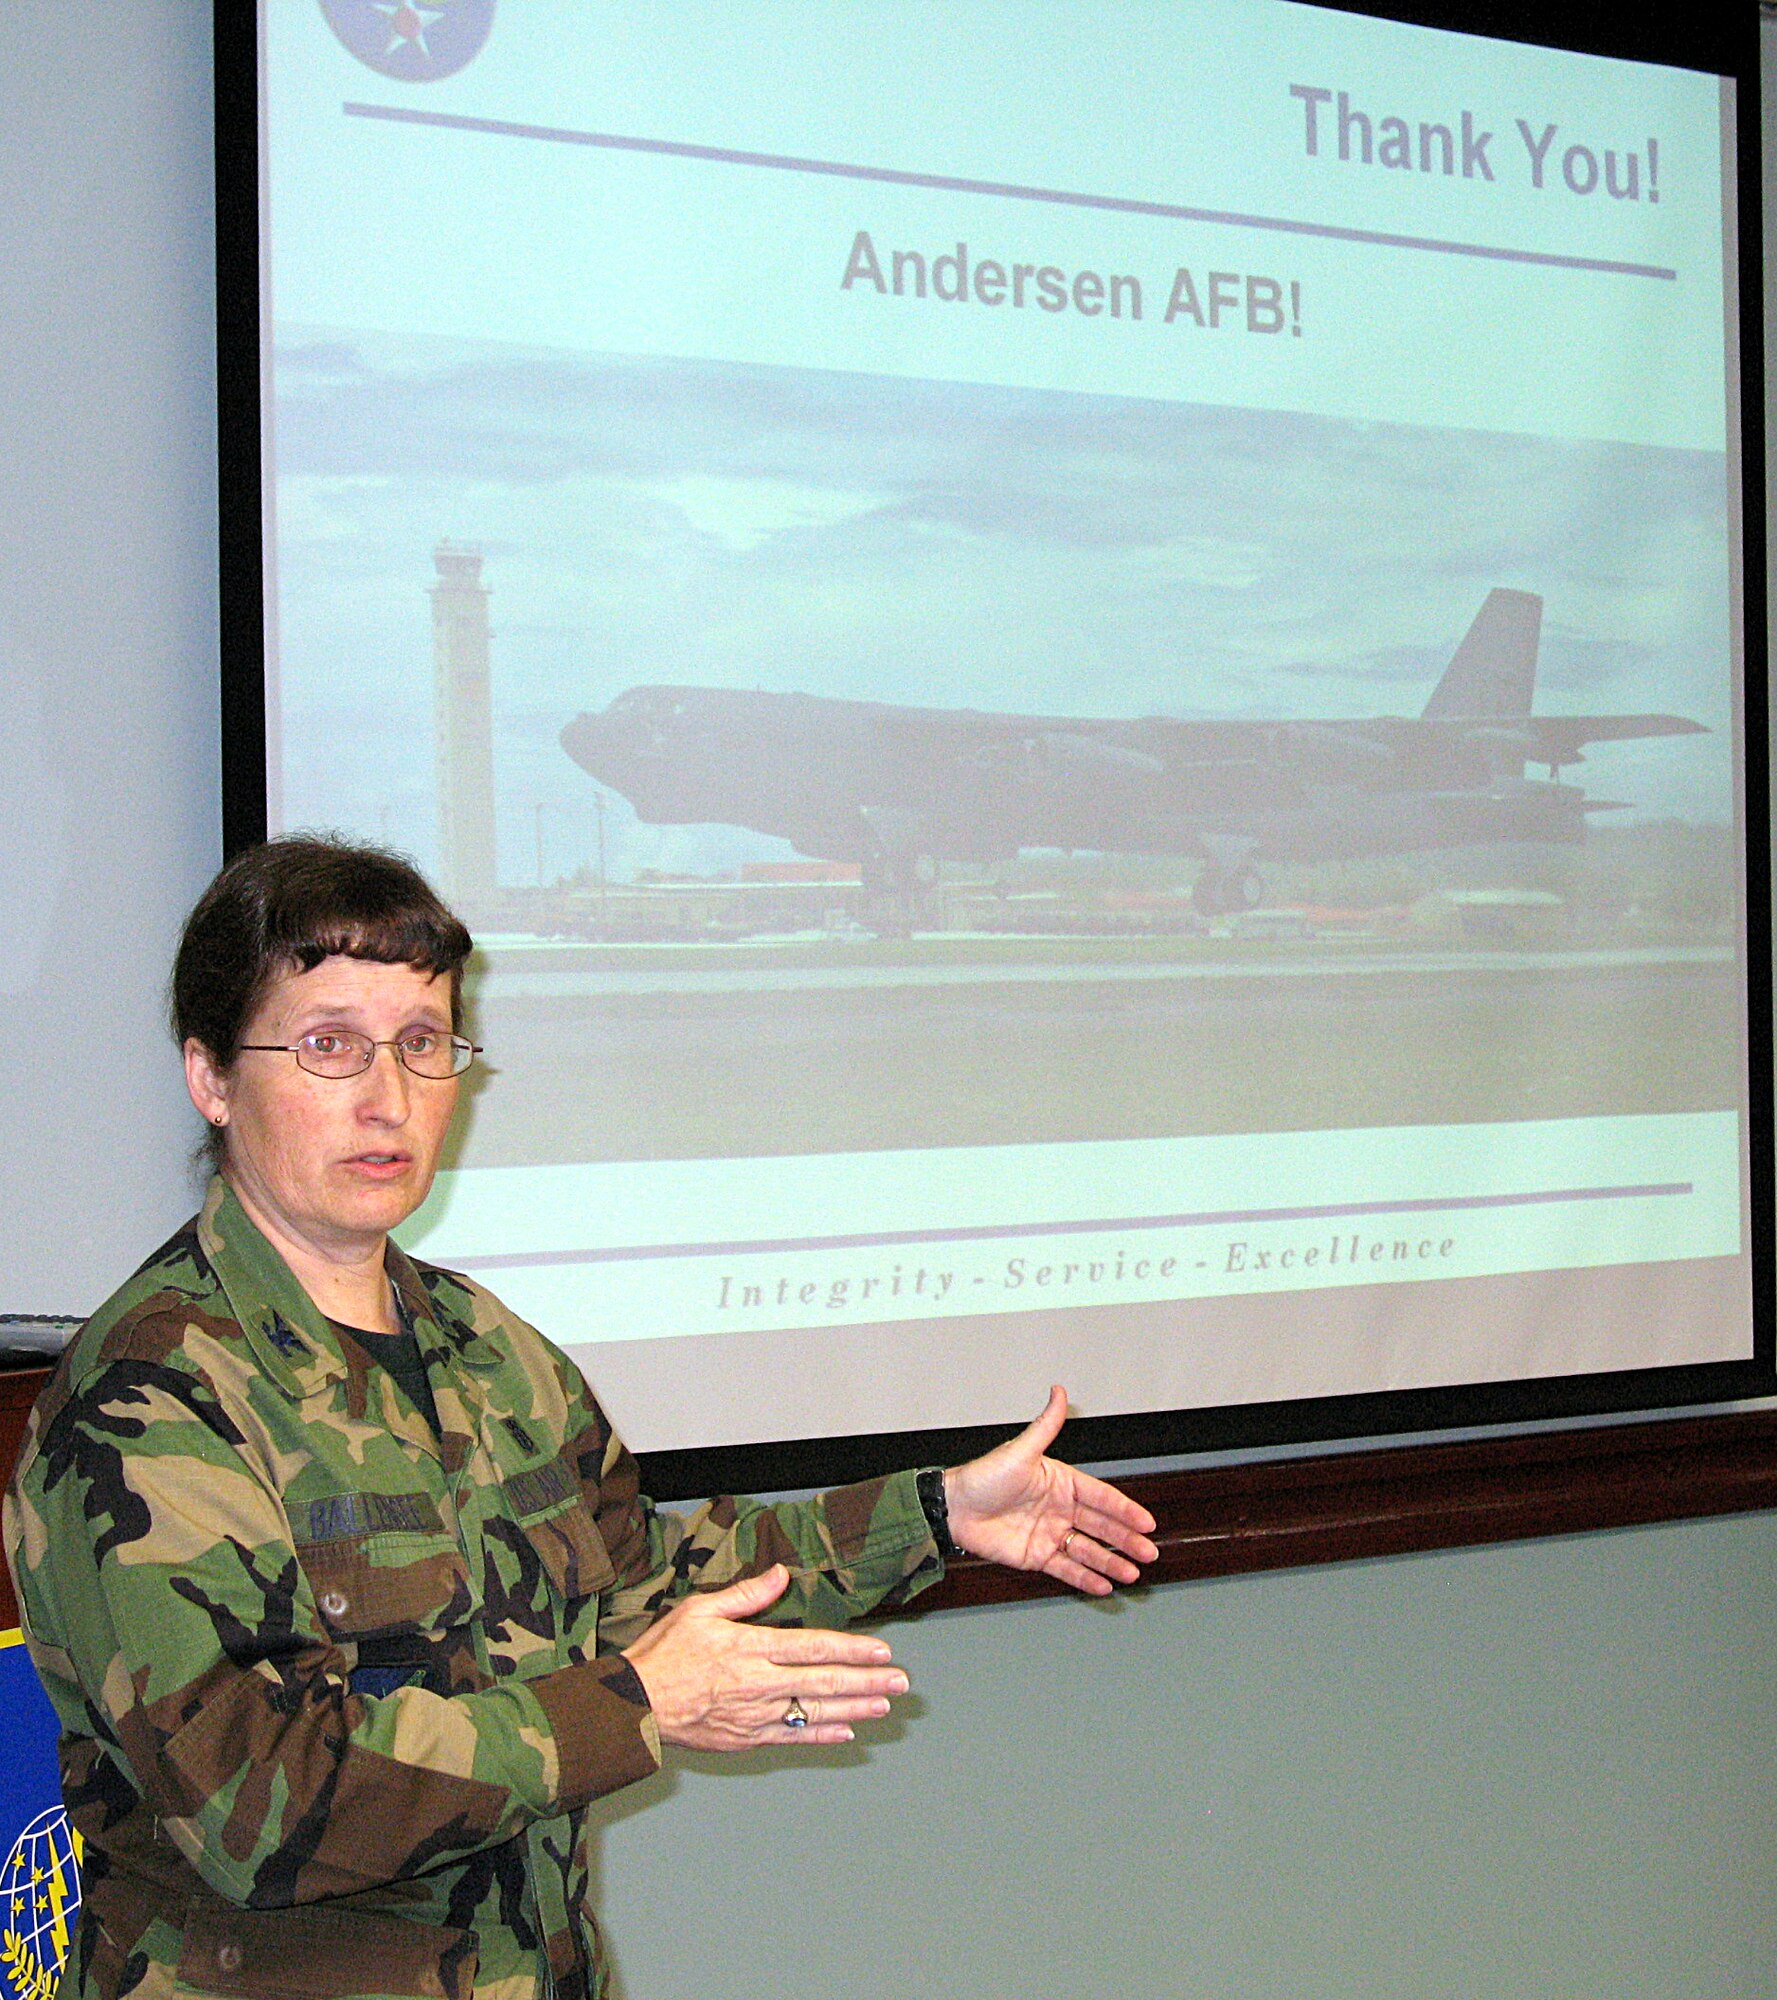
{"points": [[897, 789]]}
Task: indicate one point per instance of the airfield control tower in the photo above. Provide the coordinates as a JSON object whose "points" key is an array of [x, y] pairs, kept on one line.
{"points": [[463, 709]]}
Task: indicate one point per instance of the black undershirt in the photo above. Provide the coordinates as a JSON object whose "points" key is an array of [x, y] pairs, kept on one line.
{"points": [[399, 1354]]}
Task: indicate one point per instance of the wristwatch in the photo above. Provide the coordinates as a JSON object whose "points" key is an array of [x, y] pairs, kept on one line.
{"points": [[930, 1487]]}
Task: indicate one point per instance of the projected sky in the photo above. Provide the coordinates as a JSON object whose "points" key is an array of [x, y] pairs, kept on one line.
{"points": [[899, 540]]}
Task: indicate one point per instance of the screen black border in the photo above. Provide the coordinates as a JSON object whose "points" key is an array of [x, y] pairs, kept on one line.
{"points": [[1724, 44]]}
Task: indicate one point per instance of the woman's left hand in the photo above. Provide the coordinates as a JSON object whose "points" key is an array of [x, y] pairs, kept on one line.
{"points": [[1017, 1507]]}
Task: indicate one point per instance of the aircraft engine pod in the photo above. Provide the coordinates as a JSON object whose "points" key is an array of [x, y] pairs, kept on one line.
{"points": [[1333, 756], [1066, 789], [1505, 751], [1058, 752], [1055, 760]]}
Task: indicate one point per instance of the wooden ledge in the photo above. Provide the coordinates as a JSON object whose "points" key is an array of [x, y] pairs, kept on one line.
{"points": [[1343, 1506]]}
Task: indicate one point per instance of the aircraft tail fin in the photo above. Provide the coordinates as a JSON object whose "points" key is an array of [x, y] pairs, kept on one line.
{"points": [[1492, 674]]}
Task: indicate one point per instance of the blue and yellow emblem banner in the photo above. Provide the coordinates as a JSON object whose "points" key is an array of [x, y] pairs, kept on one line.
{"points": [[40, 1875]]}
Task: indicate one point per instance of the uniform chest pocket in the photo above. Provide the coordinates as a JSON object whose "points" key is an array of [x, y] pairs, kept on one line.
{"points": [[550, 1509], [381, 1564]]}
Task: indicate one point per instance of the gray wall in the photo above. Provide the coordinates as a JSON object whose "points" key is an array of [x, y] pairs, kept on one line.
{"points": [[1544, 1770], [1504, 1774], [109, 808]]}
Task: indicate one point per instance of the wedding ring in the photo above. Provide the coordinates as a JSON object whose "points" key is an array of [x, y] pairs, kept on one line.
{"points": [[795, 1716], [1068, 1537]]}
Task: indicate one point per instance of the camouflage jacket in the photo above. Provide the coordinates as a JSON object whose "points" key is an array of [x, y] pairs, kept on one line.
{"points": [[336, 1693]]}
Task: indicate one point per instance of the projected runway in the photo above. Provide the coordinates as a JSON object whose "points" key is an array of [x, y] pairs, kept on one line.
{"points": [[965, 1055]]}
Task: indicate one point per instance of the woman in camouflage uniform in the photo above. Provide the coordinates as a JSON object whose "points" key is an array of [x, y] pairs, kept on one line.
{"points": [[340, 1582]]}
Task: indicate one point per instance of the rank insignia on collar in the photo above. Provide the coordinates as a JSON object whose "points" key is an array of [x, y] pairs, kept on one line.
{"points": [[284, 1337]]}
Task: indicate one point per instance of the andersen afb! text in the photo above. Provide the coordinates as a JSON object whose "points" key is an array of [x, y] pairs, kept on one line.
{"points": [[1244, 301]]}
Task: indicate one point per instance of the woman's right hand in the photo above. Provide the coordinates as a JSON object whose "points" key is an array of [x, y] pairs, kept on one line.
{"points": [[716, 1682]]}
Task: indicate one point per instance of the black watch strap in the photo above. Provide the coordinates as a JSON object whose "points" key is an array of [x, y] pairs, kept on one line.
{"points": [[930, 1486]]}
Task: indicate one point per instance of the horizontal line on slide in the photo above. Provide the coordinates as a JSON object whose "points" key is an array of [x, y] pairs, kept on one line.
{"points": [[681, 149], [1344, 1211]]}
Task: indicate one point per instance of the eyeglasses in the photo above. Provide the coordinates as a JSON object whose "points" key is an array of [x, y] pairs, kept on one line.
{"points": [[339, 1053]]}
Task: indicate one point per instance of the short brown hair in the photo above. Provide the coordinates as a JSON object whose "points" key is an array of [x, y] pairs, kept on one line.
{"points": [[287, 904]]}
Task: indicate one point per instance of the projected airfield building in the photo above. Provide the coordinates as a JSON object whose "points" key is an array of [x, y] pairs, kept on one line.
{"points": [[896, 789], [462, 708]]}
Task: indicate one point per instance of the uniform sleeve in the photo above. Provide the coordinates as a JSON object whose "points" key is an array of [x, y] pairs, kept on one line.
{"points": [[856, 1550], [163, 1596]]}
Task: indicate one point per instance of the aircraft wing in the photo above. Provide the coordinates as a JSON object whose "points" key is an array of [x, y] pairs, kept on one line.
{"points": [[1207, 765], [1360, 752], [1560, 738], [1171, 740], [955, 728]]}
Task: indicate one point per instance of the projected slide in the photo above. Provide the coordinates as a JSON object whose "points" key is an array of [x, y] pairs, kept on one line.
{"points": [[1084, 699]]}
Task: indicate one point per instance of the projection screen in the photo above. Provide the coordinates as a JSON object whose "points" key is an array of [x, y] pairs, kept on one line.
{"points": [[1082, 666]]}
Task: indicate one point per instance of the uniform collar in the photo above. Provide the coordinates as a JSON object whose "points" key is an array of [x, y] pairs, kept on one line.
{"points": [[288, 1333], [291, 1338], [459, 1390], [431, 1325]]}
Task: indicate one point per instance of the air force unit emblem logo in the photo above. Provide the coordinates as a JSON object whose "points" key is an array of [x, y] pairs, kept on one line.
{"points": [[414, 41], [39, 1901]]}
